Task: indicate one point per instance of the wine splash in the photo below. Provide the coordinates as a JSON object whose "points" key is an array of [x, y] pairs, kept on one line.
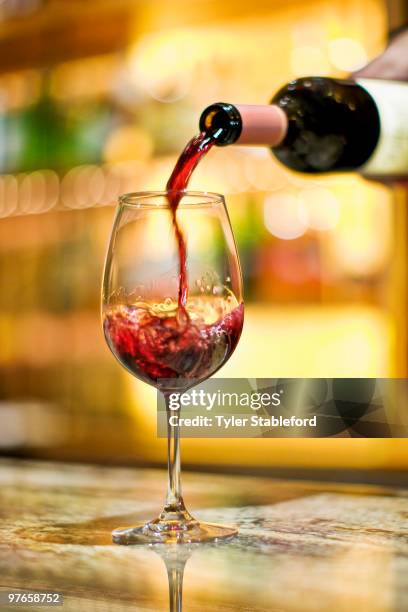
{"points": [[196, 148], [154, 345]]}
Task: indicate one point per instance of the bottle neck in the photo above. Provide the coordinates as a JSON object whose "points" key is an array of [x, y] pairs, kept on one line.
{"points": [[244, 124]]}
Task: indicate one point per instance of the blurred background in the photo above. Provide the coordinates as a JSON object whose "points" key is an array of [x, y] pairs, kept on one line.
{"points": [[97, 98]]}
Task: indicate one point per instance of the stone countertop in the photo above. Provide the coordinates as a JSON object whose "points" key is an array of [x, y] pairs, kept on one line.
{"points": [[302, 546]]}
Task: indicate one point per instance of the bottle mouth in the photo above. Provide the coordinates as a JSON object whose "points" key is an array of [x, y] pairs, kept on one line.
{"points": [[160, 199], [246, 124], [222, 121]]}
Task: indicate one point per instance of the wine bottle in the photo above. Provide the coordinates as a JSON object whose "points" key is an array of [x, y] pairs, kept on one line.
{"points": [[319, 124]]}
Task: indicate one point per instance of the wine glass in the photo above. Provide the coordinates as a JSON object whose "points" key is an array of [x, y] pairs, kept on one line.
{"points": [[170, 347]]}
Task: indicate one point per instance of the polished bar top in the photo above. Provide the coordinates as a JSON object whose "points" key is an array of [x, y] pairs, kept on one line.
{"points": [[302, 546]]}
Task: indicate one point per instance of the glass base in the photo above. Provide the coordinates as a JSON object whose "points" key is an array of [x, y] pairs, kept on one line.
{"points": [[156, 533]]}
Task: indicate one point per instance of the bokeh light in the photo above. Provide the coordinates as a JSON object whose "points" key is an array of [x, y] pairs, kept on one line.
{"points": [[347, 54], [319, 208], [161, 64], [8, 195], [362, 241], [282, 216], [261, 170]]}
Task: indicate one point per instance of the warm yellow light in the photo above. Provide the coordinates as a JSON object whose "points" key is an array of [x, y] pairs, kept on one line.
{"points": [[32, 193], [362, 239], [261, 172], [112, 185], [82, 187], [221, 171], [157, 240], [347, 54], [128, 142], [162, 64], [308, 60], [319, 208], [133, 175], [156, 174], [84, 78], [8, 195], [199, 231], [19, 89], [312, 341], [282, 216]]}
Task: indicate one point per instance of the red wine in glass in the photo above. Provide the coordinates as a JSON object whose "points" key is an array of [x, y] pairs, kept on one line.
{"points": [[156, 348]]}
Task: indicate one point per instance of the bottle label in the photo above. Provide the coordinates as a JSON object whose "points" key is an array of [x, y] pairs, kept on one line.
{"points": [[391, 153]]}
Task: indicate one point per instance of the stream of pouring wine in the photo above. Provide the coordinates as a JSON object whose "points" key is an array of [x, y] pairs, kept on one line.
{"points": [[177, 183]]}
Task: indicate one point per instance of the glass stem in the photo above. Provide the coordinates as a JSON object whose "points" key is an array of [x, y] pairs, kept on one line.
{"points": [[175, 576], [174, 500]]}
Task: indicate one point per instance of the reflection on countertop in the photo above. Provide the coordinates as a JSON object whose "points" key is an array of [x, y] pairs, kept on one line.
{"points": [[302, 546]]}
